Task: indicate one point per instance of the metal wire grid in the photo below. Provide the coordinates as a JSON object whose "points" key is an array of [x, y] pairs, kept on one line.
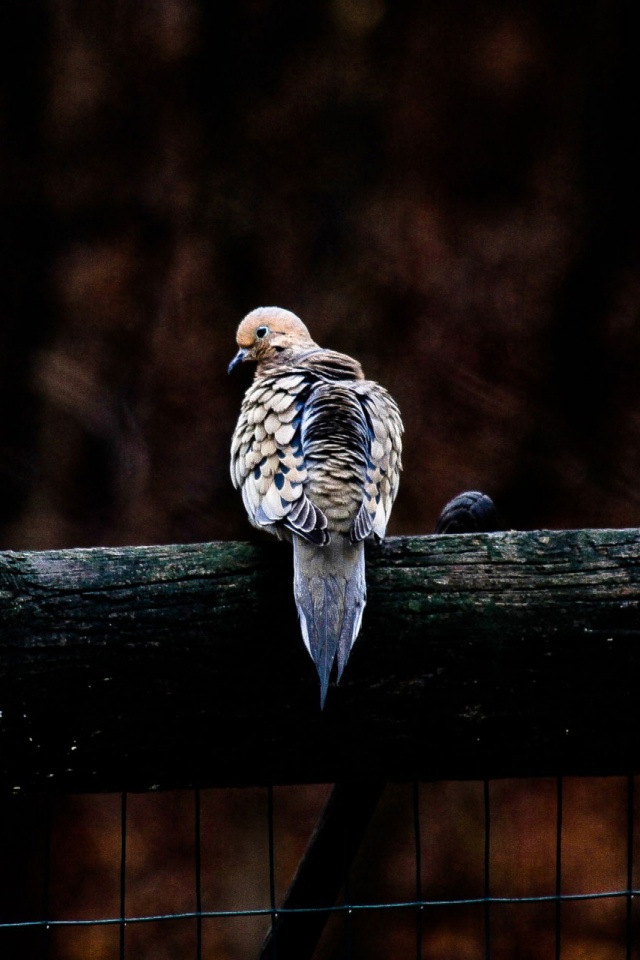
{"points": [[420, 904]]}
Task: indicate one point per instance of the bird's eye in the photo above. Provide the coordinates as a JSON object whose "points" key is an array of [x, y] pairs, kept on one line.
{"points": [[261, 332]]}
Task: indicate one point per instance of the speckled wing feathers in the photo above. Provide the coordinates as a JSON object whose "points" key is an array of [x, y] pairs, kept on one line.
{"points": [[384, 460], [335, 442], [306, 446], [267, 461]]}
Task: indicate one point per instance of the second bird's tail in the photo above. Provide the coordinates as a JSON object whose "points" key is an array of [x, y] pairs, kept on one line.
{"points": [[330, 593]]}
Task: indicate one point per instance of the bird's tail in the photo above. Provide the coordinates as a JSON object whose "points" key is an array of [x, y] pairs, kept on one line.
{"points": [[330, 593]]}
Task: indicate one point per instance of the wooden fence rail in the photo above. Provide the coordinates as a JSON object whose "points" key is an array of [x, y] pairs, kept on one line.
{"points": [[505, 654]]}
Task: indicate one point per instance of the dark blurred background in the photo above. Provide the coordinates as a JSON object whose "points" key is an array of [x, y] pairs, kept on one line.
{"points": [[447, 191]]}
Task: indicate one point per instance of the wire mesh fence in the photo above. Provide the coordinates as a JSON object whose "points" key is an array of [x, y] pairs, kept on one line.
{"points": [[493, 869]]}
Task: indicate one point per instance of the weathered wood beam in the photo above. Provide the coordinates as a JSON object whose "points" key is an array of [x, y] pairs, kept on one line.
{"points": [[509, 654]]}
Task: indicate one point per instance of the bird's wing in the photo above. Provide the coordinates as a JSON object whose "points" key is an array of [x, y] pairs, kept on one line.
{"points": [[384, 464], [267, 461]]}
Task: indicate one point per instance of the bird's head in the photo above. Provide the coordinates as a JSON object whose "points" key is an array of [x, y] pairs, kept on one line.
{"points": [[268, 334]]}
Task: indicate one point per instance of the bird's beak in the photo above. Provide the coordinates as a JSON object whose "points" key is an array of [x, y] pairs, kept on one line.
{"points": [[239, 357]]}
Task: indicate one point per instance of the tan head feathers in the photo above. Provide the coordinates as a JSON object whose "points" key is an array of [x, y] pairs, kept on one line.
{"points": [[270, 335], [275, 319]]}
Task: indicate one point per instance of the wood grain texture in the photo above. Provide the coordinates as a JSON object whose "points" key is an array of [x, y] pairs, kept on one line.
{"points": [[509, 654]]}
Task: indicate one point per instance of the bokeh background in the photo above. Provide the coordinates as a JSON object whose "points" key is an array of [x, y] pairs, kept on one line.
{"points": [[447, 191]]}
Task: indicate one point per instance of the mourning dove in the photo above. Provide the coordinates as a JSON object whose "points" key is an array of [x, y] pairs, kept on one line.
{"points": [[316, 455]]}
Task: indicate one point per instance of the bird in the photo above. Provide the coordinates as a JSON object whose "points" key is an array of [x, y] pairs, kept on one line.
{"points": [[316, 454]]}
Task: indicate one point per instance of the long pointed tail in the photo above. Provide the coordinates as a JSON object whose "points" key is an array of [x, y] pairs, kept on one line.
{"points": [[330, 593]]}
